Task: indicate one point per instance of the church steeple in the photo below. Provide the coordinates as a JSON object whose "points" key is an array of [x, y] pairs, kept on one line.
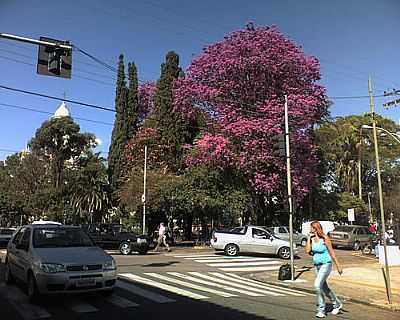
{"points": [[62, 111]]}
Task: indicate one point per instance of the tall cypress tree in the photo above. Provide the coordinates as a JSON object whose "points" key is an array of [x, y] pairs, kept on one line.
{"points": [[164, 119], [118, 138], [131, 111]]}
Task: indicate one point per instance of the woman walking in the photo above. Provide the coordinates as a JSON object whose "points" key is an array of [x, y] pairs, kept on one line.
{"points": [[320, 247]]}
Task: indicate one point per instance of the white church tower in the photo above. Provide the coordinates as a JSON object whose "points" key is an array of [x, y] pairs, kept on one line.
{"points": [[62, 111]]}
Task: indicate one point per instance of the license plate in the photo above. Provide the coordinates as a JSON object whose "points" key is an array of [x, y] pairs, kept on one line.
{"points": [[336, 236], [141, 240], [86, 282]]}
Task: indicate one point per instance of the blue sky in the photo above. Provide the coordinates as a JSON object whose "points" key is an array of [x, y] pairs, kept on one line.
{"points": [[352, 39]]}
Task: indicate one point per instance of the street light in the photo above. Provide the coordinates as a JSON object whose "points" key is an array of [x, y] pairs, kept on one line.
{"points": [[395, 136]]}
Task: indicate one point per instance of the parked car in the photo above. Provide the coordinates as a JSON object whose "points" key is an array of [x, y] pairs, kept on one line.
{"points": [[250, 239], [327, 226], [115, 236], [58, 259], [282, 232], [351, 236], [5, 236]]}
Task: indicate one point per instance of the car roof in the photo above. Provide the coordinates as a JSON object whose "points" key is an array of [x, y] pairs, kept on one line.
{"points": [[55, 226]]}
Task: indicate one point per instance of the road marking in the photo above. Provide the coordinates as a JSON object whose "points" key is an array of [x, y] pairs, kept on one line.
{"points": [[139, 291], [233, 259], [163, 286], [121, 302], [249, 269], [21, 303], [81, 307], [230, 283], [193, 255], [191, 285], [213, 284], [240, 264], [236, 278]]}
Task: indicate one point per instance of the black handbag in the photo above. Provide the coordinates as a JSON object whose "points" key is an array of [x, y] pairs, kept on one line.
{"points": [[285, 272]]}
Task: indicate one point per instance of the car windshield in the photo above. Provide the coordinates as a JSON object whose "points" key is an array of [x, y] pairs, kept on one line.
{"points": [[60, 237], [344, 228]]}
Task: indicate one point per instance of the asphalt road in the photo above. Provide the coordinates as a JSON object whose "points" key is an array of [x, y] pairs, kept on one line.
{"points": [[186, 284]]}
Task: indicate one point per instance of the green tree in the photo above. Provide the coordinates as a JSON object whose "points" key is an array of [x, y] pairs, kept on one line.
{"points": [[118, 137], [132, 112], [90, 194], [168, 122]]}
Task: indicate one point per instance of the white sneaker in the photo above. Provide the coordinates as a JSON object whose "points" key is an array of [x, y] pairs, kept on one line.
{"points": [[336, 310], [320, 314]]}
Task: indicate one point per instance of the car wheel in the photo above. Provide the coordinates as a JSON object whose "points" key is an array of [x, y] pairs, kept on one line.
{"points": [[32, 290], [303, 242], [8, 277], [356, 246], [284, 253], [232, 250], [125, 248]]}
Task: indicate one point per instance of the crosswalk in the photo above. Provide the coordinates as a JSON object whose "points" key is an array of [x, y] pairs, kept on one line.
{"points": [[135, 289], [233, 264]]}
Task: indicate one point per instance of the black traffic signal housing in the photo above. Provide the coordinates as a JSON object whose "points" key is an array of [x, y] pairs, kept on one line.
{"points": [[279, 145], [53, 60]]}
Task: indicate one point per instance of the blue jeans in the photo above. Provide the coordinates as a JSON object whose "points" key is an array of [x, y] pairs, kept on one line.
{"points": [[322, 273]]}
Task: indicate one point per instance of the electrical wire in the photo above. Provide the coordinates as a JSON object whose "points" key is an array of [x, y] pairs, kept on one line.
{"points": [[50, 113], [57, 98]]}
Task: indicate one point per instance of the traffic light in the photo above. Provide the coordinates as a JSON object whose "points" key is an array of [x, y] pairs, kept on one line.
{"points": [[279, 145], [54, 61]]}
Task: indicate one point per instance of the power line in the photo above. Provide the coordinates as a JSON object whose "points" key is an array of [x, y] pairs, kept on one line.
{"points": [[33, 65], [57, 98], [50, 113]]}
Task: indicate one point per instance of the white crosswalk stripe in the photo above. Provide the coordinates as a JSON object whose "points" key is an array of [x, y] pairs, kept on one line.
{"points": [[234, 264], [194, 285]]}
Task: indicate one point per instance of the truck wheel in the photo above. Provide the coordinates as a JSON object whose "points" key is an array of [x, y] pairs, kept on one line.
{"points": [[284, 253], [125, 248], [232, 249]]}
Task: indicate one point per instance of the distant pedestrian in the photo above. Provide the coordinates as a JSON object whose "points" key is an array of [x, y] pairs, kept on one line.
{"points": [[162, 237], [372, 228], [320, 247]]}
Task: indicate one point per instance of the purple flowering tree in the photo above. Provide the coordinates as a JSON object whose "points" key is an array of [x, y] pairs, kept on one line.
{"points": [[240, 83]]}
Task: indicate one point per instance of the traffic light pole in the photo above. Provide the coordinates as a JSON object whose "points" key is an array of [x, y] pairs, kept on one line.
{"points": [[34, 41], [289, 188]]}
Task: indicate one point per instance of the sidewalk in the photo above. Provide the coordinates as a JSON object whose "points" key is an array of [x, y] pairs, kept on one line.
{"points": [[362, 283]]}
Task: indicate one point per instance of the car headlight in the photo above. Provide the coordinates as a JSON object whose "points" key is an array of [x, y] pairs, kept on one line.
{"points": [[52, 267], [110, 265]]}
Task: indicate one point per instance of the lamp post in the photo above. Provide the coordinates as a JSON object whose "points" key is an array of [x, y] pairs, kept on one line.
{"points": [[395, 136], [378, 169]]}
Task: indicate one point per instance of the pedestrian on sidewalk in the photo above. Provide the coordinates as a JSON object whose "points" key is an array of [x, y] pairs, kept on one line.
{"points": [[320, 247], [162, 237]]}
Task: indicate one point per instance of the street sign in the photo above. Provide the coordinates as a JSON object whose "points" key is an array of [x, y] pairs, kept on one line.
{"points": [[53, 60], [350, 215]]}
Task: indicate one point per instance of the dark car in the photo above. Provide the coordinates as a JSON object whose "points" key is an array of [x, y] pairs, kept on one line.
{"points": [[115, 236], [5, 236]]}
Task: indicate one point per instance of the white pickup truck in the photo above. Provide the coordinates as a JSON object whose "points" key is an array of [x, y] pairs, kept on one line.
{"points": [[250, 239]]}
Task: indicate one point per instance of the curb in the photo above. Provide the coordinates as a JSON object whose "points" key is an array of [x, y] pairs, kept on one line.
{"points": [[395, 308]]}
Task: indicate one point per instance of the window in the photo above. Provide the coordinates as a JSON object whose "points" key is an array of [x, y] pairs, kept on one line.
{"points": [[282, 230], [60, 237], [241, 230], [18, 236], [26, 237], [260, 234]]}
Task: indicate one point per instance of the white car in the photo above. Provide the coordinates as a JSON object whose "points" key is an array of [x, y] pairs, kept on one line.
{"points": [[53, 258], [250, 239]]}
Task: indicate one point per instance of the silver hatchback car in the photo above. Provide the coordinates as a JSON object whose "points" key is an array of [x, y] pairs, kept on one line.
{"points": [[58, 259]]}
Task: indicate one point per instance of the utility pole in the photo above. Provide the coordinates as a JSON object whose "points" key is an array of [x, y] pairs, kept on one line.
{"points": [[359, 166], [289, 188], [144, 190], [378, 169]]}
